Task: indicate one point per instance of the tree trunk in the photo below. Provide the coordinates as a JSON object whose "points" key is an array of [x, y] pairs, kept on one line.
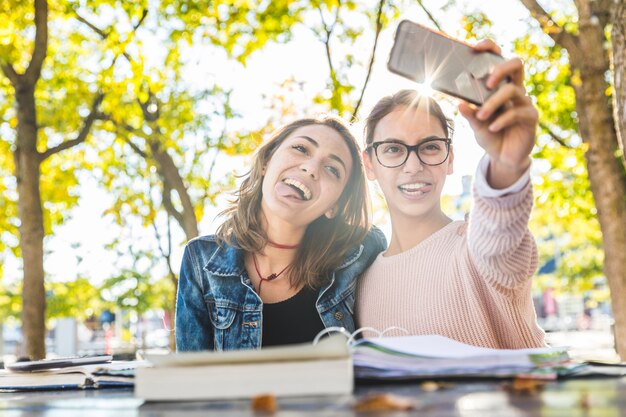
{"points": [[615, 268], [172, 180], [27, 164], [618, 40], [606, 170], [589, 60]]}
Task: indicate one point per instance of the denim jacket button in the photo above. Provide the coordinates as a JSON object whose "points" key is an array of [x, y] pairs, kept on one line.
{"points": [[338, 315]]}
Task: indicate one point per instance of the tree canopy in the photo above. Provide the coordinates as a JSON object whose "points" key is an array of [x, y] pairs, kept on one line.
{"points": [[127, 95]]}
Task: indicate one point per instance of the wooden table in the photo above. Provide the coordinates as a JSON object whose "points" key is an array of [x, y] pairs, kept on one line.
{"points": [[604, 397]]}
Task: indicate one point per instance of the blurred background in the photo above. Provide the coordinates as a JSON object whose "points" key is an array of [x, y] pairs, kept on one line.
{"points": [[128, 124]]}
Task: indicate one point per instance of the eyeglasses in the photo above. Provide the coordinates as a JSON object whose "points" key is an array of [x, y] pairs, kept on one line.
{"points": [[392, 153]]}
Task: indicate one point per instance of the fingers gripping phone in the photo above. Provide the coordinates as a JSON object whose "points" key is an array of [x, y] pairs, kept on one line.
{"points": [[449, 65]]}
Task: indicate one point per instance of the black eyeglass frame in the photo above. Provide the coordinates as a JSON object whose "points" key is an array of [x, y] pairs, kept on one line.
{"points": [[411, 148]]}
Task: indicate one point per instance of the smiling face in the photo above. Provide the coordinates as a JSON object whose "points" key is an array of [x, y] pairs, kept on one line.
{"points": [[412, 190], [306, 175]]}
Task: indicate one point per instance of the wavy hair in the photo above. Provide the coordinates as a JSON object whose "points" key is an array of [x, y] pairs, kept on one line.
{"points": [[326, 241]]}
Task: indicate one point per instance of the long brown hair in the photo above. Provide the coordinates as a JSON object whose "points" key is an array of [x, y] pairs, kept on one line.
{"points": [[326, 241], [405, 98]]}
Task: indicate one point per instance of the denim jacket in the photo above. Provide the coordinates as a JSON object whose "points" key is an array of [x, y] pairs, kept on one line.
{"points": [[218, 309]]}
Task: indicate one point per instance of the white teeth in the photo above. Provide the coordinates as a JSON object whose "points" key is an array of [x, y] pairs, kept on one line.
{"points": [[305, 192], [412, 187]]}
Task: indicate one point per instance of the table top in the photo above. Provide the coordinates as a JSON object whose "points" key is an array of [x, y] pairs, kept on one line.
{"points": [[578, 397]]}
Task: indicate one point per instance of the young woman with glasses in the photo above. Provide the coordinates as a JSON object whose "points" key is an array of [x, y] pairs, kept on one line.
{"points": [[283, 266], [467, 280]]}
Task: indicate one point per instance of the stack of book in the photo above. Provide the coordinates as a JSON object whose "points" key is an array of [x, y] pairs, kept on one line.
{"points": [[410, 357], [294, 370]]}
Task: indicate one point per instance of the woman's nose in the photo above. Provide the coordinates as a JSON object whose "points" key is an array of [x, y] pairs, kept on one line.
{"points": [[310, 169], [413, 163]]}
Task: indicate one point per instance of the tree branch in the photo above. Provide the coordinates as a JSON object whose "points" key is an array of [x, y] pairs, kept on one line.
{"points": [[105, 35], [127, 129], [554, 136], [553, 29], [141, 19], [82, 135], [134, 147], [379, 27], [329, 32], [41, 42], [10, 73], [167, 202], [429, 14], [91, 26]]}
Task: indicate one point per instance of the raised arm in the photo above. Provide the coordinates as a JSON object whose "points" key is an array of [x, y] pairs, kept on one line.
{"points": [[505, 125]]}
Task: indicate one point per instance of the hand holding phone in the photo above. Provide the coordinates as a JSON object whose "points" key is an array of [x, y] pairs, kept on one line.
{"points": [[449, 65]]}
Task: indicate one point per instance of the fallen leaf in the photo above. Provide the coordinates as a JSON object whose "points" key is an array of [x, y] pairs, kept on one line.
{"points": [[265, 403], [384, 402], [525, 386]]}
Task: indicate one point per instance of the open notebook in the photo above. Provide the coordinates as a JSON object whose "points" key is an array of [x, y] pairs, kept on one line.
{"points": [[428, 356], [105, 375]]}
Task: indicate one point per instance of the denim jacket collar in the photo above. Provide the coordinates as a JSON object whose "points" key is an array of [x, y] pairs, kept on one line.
{"points": [[351, 257], [227, 261]]}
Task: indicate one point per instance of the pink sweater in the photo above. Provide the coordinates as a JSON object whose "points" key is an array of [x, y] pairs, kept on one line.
{"points": [[470, 281]]}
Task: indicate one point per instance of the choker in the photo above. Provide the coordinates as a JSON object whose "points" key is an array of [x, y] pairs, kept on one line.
{"points": [[280, 246]]}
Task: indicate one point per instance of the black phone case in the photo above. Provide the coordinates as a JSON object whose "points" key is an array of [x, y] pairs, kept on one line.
{"points": [[451, 66]]}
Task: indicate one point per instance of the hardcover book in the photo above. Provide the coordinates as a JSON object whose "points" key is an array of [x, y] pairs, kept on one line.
{"points": [[294, 370]]}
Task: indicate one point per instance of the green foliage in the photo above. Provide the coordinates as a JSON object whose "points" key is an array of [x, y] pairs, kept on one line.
{"points": [[198, 124], [240, 27], [10, 301], [562, 189], [64, 95], [476, 25], [132, 290], [78, 299]]}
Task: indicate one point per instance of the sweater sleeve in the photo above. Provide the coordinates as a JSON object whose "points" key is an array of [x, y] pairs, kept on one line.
{"points": [[501, 246]]}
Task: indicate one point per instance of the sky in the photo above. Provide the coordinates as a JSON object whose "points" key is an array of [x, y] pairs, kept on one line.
{"points": [[303, 58]]}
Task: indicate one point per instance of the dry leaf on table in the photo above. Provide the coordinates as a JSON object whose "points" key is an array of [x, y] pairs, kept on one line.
{"points": [[384, 402], [265, 403]]}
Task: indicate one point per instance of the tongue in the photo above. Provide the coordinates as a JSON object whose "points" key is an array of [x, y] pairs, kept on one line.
{"points": [[285, 190]]}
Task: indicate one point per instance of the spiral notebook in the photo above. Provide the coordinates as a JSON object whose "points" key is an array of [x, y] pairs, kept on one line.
{"points": [[433, 356]]}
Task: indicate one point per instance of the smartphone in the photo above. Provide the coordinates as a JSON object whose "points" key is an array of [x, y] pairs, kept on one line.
{"points": [[47, 364], [448, 65]]}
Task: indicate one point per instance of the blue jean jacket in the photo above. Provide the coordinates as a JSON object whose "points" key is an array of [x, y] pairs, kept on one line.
{"points": [[218, 309]]}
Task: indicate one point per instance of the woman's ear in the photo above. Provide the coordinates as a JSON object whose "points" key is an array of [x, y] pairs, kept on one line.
{"points": [[331, 213], [369, 169]]}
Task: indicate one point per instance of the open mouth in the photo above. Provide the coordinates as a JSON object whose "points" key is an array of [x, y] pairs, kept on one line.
{"points": [[303, 191], [416, 188]]}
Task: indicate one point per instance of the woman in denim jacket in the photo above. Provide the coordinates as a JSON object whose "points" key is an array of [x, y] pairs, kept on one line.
{"points": [[284, 264]]}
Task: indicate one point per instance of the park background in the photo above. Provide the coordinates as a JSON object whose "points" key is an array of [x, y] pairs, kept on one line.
{"points": [[127, 124]]}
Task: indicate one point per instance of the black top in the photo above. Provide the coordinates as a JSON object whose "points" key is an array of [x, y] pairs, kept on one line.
{"points": [[294, 320]]}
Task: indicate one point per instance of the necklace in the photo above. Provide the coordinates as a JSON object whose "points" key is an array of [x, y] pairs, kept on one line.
{"points": [[270, 277], [281, 246]]}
